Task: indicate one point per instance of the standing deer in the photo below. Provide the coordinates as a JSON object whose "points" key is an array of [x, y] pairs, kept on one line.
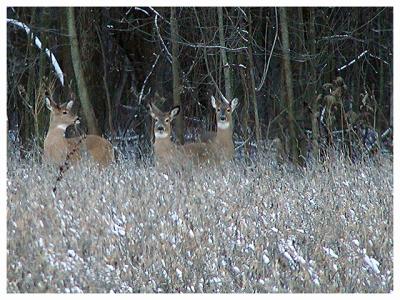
{"points": [[164, 149], [57, 147], [221, 142]]}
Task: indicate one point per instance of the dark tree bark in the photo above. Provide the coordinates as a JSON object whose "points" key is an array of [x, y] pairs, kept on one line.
{"points": [[324, 43], [245, 106], [311, 96], [179, 126], [225, 63], [80, 79], [289, 84], [253, 85]]}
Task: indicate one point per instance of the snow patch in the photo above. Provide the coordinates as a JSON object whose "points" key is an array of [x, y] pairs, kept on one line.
{"points": [[372, 263], [330, 252]]}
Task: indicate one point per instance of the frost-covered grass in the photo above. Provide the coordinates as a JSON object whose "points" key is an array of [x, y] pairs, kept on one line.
{"points": [[236, 228]]}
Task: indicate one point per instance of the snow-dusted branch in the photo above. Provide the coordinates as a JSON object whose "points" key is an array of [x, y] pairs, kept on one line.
{"points": [[212, 47], [147, 78], [142, 10], [38, 43], [169, 56], [335, 36], [353, 61], [242, 11], [266, 66], [156, 12]]}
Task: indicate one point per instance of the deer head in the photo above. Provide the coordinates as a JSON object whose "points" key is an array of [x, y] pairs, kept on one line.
{"points": [[61, 115], [224, 109], [162, 125]]}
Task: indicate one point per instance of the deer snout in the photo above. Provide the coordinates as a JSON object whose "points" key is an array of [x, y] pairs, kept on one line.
{"points": [[160, 128], [222, 118]]}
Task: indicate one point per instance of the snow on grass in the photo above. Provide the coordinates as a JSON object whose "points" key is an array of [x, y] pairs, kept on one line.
{"points": [[263, 228]]}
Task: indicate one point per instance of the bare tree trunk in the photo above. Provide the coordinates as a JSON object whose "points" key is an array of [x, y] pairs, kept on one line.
{"points": [[118, 90], [381, 77], [29, 122], [391, 105], [289, 84], [175, 77], [225, 63], [41, 124], [245, 107], [80, 80], [312, 96], [253, 85], [65, 52], [105, 82]]}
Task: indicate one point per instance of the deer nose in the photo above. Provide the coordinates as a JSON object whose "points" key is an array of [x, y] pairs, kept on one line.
{"points": [[223, 118], [160, 128]]}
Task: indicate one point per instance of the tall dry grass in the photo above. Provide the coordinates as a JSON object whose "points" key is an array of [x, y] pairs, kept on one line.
{"points": [[236, 228]]}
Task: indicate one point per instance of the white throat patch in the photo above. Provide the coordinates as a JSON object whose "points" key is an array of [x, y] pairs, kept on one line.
{"points": [[160, 135], [223, 125], [62, 126]]}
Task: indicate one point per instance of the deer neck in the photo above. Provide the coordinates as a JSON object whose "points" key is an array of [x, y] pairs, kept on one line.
{"points": [[224, 135], [57, 129], [163, 144]]}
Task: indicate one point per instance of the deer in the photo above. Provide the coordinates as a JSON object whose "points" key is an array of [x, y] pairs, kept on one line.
{"points": [[164, 149], [58, 148], [167, 152], [217, 149], [221, 142]]}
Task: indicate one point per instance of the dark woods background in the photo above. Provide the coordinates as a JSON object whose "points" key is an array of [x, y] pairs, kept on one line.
{"points": [[312, 77]]}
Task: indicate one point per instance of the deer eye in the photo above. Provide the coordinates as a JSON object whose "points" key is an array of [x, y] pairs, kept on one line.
{"points": [[166, 120], [218, 109], [65, 112], [228, 110]]}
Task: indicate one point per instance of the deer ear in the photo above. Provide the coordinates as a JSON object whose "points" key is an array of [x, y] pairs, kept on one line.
{"points": [[48, 104], [234, 103], [151, 112], [213, 102], [174, 112], [69, 104]]}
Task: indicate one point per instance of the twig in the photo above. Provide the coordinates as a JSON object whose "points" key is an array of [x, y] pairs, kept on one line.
{"points": [[147, 78], [156, 12], [65, 166], [140, 9], [212, 47], [169, 56], [266, 67], [244, 142], [205, 56]]}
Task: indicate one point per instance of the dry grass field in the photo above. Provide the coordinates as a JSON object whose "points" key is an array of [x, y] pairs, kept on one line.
{"points": [[236, 228]]}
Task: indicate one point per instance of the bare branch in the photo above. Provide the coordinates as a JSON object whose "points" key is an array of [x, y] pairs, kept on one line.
{"points": [[266, 66], [156, 12], [142, 10], [169, 56], [147, 78], [205, 56], [213, 47], [38, 43]]}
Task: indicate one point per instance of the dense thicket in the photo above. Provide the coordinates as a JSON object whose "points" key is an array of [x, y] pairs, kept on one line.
{"points": [[310, 76]]}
